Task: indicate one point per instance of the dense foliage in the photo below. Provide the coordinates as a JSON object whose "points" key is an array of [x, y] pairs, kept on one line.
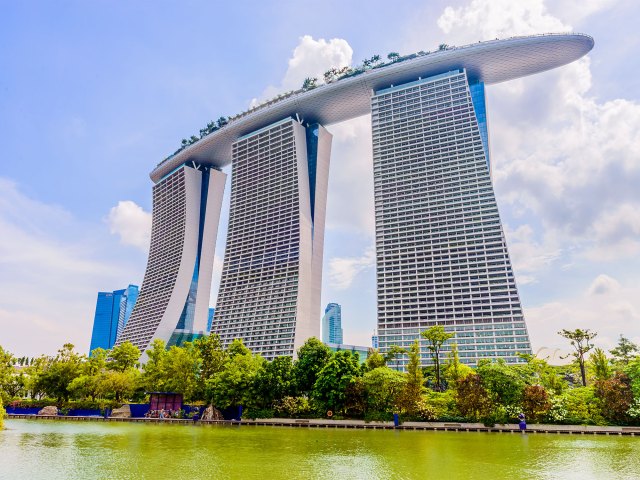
{"points": [[599, 389]]}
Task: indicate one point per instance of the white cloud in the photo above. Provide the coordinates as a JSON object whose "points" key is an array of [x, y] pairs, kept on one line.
{"points": [[131, 223], [311, 58], [489, 19], [350, 206], [344, 270], [603, 284], [606, 307], [52, 268]]}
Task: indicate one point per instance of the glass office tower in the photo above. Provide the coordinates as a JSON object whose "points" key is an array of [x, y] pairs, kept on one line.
{"points": [[272, 274], [112, 313], [332, 324], [441, 252]]}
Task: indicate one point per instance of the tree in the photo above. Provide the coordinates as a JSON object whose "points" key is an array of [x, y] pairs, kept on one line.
{"points": [[414, 385], [393, 56], [330, 75], [331, 385], [121, 384], [97, 362], [85, 386], [454, 369], [124, 357], [181, 366], [501, 381], [2, 414], [472, 399], [153, 371], [273, 382], [625, 351], [310, 83], [374, 360], [212, 358], [443, 46], [221, 122], [392, 353], [232, 385], [535, 402], [312, 357], [600, 364], [383, 387], [616, 396], [436, 336], [7, 373], [60, 372], [581, 342]]}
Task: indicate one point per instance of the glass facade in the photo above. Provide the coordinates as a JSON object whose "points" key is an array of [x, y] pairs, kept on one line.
{"points": [[212, 312], [441, 253], [332, 324], [112, 313]]}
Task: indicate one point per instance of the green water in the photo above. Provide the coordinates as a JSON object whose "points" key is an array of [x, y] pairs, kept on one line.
{"points": [[86, 450]]}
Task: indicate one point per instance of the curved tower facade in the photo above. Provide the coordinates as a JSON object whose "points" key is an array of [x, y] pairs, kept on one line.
{"points": [[272, 274], [173, 302]]}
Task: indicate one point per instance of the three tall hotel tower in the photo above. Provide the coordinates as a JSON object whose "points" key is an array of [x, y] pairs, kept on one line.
{"points": [[441, 252]]}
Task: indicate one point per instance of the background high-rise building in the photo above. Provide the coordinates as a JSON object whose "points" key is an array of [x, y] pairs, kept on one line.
{"points": [[212, 312], [112, 313], [441, 253], [174, 298], [374, 340], [272, 274], [332, 324]]}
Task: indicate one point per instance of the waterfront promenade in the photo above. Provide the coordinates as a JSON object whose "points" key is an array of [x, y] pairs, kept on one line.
{"points": [[360, 424]]}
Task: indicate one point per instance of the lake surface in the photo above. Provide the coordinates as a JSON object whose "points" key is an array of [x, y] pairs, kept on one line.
{"points": [[87, 450]]}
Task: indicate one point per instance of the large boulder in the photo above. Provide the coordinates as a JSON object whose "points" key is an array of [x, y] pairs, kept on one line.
{"points": [[49, 410], [122, 412], [212, 413]]}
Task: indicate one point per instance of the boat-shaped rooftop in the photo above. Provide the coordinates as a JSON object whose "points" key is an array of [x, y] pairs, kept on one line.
{"points": [[493, 61]]}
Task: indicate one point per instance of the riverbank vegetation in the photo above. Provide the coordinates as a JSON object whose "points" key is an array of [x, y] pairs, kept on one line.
{"points": [[598, 388]]}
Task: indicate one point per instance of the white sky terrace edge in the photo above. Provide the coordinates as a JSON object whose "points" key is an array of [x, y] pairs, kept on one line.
{"points": [[492, 62]]}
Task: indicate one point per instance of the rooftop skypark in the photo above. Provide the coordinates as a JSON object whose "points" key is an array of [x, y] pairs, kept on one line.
{"points": [[346, 93]]}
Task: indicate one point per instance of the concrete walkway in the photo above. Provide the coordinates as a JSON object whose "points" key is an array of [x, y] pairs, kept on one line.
{"points": [[325, 423]]}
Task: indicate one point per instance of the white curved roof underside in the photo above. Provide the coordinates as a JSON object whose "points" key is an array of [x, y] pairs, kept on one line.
{"points": [[494, 61]]}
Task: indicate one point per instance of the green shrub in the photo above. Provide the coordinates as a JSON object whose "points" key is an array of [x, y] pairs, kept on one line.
{"points": [[294, 407], [2, 415], [376, 416], [583, 407], [254, 413]]}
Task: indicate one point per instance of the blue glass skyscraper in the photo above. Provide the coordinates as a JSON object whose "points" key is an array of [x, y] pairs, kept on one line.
{"points": [[332, 324], [112, 313], [212, 312]]}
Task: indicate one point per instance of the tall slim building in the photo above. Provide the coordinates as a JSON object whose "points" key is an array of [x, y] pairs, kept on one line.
{"points": [[174, 298], [112, 313], [441, 252], [332, 324], [270, 290]]}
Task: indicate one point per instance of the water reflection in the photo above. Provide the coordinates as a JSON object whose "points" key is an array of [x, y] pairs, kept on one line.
{"points": [[61, 450]]}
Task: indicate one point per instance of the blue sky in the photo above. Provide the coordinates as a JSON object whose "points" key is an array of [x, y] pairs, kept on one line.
{"points": [[94, 94]]}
